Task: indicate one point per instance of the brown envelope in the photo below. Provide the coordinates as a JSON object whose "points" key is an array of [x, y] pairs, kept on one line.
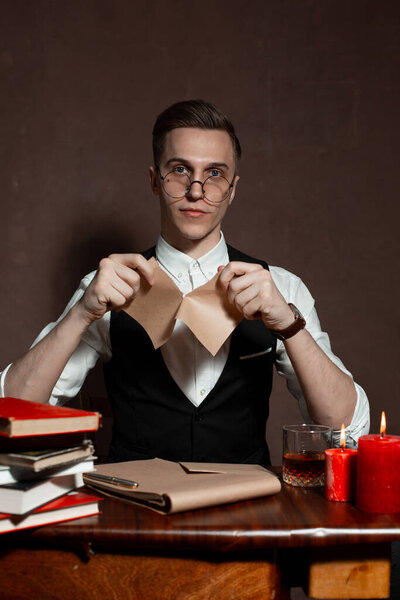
{"points": [[206, 311], [170, 487]]}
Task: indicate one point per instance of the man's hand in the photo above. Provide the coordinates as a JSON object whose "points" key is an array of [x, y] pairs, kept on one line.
{"points": [[115, 284], [251, 289]]}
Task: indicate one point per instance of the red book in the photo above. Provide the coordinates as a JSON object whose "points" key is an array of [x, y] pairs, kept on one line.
{"points": [[66, 508], [22, 418]]}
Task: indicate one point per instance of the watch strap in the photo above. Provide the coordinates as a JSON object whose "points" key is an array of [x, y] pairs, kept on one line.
{"points": [[298, 324]]}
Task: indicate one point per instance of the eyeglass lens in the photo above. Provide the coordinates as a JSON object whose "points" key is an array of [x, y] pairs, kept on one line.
{"points": [[177, 185]]}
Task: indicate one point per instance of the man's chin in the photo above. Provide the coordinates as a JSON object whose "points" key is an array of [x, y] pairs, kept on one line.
{"points": [[194, 231], [196, 236], [189, 237]]}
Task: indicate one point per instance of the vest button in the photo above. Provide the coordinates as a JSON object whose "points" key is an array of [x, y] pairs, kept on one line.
{"points": [[198, 417], [200, 458]]}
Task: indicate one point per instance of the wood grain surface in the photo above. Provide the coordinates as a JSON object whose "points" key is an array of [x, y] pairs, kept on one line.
{"points": [[293, 518], [259, 548], [62, 575], [350, 572]]}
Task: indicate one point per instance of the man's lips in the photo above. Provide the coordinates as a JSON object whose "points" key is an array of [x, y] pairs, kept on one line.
{"points": [[193, 212]]}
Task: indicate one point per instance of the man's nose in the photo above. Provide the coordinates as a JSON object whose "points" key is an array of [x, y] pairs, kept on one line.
{"points": [[196, 190]]}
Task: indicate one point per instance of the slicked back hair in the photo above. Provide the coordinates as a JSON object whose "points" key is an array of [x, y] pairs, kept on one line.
{"points": [[191, 113]]}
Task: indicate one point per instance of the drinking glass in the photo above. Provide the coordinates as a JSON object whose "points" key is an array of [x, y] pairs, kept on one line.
{"points": [[303, 454]]}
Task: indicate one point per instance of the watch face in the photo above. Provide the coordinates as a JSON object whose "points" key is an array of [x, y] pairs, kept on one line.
{"points": [[296, 312]]}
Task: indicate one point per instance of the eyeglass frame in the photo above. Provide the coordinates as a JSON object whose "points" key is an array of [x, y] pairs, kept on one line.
{"points": [[162, 177]]}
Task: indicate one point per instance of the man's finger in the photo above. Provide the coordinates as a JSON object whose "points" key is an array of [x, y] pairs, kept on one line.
{"points": [[236, 269], [112, 299], [242, 297], [136, 262], [125, 289]]}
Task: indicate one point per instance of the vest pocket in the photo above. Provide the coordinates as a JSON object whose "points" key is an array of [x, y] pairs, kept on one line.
{"points": [[256, 354]]}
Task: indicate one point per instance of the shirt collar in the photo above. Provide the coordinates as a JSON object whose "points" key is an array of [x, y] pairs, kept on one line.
{"points": [[175, 262]]}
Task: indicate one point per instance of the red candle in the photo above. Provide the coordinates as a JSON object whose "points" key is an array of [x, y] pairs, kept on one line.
{"points": [[340, 471], [378, 475]]}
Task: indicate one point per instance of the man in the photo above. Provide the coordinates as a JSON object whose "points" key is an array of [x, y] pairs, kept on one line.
{"points": [[180, 402]]}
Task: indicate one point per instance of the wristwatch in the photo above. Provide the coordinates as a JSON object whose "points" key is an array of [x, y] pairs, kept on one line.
{"points": [[298, 324]]}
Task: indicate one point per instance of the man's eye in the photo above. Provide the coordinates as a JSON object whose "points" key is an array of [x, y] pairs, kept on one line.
{"points": [[215, 173], [180, 169]]}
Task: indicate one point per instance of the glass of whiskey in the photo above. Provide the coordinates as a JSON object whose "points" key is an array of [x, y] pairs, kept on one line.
{"points": [[303, 462]]}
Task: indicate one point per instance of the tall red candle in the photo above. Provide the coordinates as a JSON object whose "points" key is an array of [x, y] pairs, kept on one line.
{"points": [[340, 472], [378, 473]]}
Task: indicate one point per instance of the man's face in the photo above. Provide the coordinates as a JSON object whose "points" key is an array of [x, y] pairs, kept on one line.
{"points": [[191, 222]]}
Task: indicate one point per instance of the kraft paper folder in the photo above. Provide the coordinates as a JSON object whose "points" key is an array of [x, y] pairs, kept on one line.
{"points": [[172, 487]]}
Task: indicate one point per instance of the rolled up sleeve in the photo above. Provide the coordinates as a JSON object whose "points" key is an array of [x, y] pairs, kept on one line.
{"points": [[295, 291], [95, 345]]}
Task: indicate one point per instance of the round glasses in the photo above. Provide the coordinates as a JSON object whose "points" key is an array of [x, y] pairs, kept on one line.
{"points": [[215, 188]]}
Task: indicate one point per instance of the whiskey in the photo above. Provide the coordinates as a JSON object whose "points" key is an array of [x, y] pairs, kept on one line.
{"points": [[305, 469]]}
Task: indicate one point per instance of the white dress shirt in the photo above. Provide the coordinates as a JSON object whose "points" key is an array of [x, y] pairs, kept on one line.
{"points": [[192, 367]]}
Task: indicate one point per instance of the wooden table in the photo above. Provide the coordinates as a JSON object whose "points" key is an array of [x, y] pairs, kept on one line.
{"points": [[245, 551]]}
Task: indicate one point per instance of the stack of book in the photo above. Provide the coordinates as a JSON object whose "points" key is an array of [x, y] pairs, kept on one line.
{"points": [[43, 455]]}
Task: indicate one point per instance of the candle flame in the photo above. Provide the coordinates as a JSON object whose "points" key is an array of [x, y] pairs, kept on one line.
{"points": [[383, 424], [343, 437]]}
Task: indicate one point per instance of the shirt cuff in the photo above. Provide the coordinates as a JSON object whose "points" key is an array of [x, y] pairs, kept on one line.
{"points": [[3, 381], [359, 424]]}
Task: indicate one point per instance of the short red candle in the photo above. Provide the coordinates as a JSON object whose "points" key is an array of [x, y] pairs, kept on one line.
{"points": [[378, 474], [340, 474]]}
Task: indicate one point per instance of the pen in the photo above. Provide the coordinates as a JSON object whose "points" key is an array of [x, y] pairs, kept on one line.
{"points": [[115, 480]]}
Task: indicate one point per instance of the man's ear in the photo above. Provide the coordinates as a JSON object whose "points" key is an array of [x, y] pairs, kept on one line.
{"points": [[235, 182], [154, 180]]}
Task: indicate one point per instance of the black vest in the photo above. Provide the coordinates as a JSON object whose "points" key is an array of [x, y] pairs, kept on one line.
{"points": [[153, 417]]}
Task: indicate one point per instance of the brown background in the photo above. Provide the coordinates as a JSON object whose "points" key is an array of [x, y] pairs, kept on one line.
{"points": [[314, 91]]}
